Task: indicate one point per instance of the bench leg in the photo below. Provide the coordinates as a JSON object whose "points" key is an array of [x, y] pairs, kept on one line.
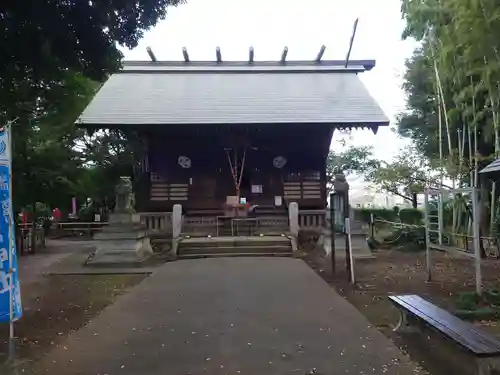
{"points": [[402, 321], [404, 325], [486, 366]]}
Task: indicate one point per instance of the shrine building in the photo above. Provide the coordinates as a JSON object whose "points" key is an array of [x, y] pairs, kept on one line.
{"points": [[219, 133]]}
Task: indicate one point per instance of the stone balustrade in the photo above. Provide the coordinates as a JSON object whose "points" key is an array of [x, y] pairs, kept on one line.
{"points": [[312, 219], [157, 222]]}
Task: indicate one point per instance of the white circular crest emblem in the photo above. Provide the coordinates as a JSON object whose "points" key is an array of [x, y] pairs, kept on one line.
{"points": [[279, 161], [184, 162]]}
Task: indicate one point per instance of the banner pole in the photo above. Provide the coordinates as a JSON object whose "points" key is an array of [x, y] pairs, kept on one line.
{"points": [[11, 293], [11, 246]]}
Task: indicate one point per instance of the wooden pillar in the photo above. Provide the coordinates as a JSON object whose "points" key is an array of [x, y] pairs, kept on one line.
{"points": [[141, 190]]}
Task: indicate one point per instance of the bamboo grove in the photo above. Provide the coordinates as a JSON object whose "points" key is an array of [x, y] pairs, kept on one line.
{"points": [[452, 83]]}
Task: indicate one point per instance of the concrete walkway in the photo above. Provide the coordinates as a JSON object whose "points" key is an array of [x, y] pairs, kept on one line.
{"points": [[254, 316]]}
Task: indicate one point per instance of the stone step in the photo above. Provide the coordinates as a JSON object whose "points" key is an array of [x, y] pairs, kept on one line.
{"points": [[233, 245], [229, 241], [252, 231], [215, 255], [256, 249]]}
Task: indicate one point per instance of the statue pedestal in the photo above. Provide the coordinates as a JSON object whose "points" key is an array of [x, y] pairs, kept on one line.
{"points": [[123, 243]]}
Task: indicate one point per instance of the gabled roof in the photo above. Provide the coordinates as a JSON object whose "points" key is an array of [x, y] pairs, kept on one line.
{"points": [[492, 167], [170, 93]]}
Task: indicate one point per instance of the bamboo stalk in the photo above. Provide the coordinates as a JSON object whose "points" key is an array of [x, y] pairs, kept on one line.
{"points": [[443, 104], [440, 139]]}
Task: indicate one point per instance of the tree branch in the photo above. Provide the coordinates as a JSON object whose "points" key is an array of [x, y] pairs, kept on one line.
{"points": [[395, 192], [427, 181]]}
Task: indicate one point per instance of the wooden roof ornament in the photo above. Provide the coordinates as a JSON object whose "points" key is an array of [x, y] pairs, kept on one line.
{"points": [[355, 27], [185, 54], [283, 54], [250, 55], [151, 54], [320, 53], [218, 54]]}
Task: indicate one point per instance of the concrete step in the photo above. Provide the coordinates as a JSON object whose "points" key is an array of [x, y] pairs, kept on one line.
{"points": [[197, 256], [260, 241], [255, 249]]}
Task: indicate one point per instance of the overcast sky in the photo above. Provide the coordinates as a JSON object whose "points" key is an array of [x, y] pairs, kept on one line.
{"points": [[269, 25]]}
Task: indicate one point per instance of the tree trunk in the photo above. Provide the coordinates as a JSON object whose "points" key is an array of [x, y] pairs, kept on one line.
{"points": [[33, 230], [483, 213], [414, 202]]}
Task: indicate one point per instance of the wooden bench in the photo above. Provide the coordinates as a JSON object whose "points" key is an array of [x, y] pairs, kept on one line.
{"points": [[482, 345]]}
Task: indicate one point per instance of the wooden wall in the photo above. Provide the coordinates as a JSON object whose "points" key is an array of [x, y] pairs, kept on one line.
{"points": [[209, 181]]}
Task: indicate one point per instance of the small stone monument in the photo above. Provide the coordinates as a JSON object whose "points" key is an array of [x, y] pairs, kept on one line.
{"points": [[124, 242]]}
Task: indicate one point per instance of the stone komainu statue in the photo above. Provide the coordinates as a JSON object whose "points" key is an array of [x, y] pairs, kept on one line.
{"points": [[124, 196], [340, 184]]}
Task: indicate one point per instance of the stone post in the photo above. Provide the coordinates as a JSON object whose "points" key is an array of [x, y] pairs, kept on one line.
{"points": [[293, 215], [176, 226], [176, 220], [341, 188]]}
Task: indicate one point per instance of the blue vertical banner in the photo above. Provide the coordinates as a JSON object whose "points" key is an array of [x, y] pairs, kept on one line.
{"points": [[10, 291]]}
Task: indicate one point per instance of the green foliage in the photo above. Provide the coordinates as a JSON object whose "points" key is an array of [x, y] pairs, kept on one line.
{"points": [[406, 233], [350, 160], [459, 46], [482, 313], [372, 243], [87, 213], [406, 238], [45, 161], [404, 215], [53, 52], [472, 306], [468, 300], [405, 177], [364, 214], [492, 296], [48, 37], [411, 216]]}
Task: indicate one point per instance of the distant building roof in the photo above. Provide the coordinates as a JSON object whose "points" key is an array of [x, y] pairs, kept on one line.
{"points": [[492, 167], [169, 93]]}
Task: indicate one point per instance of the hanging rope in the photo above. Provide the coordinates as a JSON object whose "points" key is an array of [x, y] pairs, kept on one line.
{"points": [[234, 168], [242, 166]]}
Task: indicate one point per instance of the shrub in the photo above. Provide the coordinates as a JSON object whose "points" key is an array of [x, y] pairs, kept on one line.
{"points": [[363, 214], [411, 216], [492, 296], [468, 301], [405, 215], [407, 239]]}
